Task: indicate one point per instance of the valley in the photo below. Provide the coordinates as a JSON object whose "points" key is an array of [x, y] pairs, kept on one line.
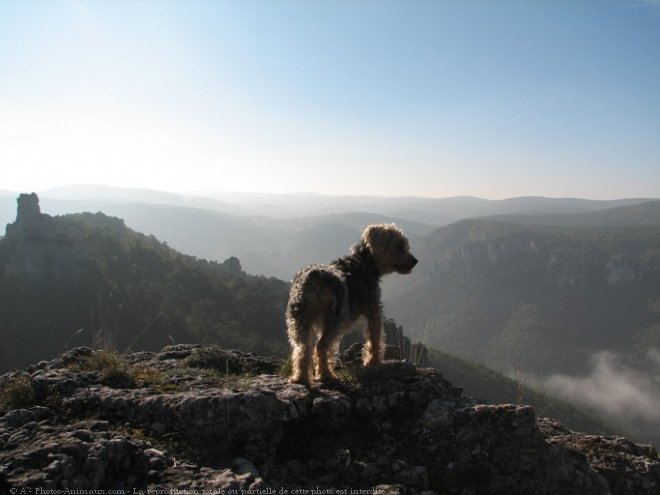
{"points": [[537, 296]]}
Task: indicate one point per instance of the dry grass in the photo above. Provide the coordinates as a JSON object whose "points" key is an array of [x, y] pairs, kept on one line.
{"points": [[17, 393], [114, 369]]}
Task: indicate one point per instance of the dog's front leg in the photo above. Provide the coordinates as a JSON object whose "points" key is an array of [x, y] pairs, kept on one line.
{"points": [[372, 354]]}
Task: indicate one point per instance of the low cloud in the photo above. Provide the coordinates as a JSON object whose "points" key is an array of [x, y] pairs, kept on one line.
{"points": [[627, 396]]}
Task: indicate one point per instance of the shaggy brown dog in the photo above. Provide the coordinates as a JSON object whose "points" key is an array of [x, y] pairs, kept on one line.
{"points": [[327, 300]]}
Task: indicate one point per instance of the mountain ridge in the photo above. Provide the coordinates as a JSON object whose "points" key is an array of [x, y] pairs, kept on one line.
{"points": [[309, 204], [272, 241], [88, 279]]}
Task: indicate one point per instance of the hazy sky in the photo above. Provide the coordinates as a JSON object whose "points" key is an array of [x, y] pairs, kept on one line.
{"points": [[434, 98]]}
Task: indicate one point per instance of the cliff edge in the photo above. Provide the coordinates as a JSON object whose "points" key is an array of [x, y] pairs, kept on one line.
{"points": [[197, 418]]}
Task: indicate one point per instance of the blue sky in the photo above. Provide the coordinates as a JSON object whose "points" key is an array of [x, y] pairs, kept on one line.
{"points": [[432, 98]]}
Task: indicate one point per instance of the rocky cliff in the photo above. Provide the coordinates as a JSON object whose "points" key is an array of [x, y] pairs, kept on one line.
{"points": [[197, 418], [532, 300]]}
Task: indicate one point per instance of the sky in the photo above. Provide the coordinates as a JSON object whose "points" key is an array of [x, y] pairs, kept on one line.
{"points": [[492, 98]]}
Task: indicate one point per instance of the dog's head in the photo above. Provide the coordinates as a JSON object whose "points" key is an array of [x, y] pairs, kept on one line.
{"points": [[389, 247]]}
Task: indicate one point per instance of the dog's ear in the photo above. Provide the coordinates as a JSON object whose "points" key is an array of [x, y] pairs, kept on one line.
{"points": [[376, 235], [370, 237]]}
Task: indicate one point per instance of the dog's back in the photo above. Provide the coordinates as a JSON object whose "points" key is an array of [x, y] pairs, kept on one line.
{"points": [[318, 293]]}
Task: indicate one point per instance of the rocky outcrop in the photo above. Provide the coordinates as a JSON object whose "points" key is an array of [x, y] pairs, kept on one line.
{"points": [[28, 211], [38, 248], [193, 418], [30, 222]]}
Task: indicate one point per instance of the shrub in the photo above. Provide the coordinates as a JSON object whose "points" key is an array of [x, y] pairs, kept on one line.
{"points": [[115, 371], [211, 358], [145, 376], [17, 393]]}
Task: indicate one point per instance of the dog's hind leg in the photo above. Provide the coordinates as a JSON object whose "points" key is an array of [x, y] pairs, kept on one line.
{"points": [[326, 350], [333, 312], [302, 341]]}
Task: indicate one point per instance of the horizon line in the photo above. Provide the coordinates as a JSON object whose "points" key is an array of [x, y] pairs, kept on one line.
{"points": [[208, 194]]}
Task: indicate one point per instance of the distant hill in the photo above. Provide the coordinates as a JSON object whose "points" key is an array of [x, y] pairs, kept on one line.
{"points": [[644, 214], [275, 247], [276, 234], [87, 194], [272, 247], [435, 211], [87, 278], [537, 299]]}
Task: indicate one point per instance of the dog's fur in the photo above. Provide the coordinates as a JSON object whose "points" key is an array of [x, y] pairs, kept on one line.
{"points": [[327, 300]]}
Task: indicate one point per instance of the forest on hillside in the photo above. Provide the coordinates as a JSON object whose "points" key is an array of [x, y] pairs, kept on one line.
{"points": [[87, 279], [534, 299]]}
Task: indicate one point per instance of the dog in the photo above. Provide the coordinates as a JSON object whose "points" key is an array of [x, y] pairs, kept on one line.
{"points": [[327, 300]]}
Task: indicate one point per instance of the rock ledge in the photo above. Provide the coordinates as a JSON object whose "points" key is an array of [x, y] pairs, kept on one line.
{"points": [[194, 418]]}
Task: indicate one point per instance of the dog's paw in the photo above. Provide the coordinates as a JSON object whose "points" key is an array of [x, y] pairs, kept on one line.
{"points": [[372, 362], [329, 379], [299, 380]]}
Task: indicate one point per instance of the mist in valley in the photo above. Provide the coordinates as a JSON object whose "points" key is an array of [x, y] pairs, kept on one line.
{"points": [[624, 394]]}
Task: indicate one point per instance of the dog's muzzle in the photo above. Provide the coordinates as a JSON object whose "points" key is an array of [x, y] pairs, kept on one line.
{"points": [[407, 264]]}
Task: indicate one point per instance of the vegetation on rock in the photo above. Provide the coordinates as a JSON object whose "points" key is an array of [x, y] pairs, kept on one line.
{"points": [[399, 429]]}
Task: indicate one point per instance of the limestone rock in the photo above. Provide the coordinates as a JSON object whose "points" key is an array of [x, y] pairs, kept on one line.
{"points": [[197, 418]]}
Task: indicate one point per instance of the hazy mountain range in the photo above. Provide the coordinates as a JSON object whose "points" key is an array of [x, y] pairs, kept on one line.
{"points": [[275, 235], [563, 294], [87, 279]]}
